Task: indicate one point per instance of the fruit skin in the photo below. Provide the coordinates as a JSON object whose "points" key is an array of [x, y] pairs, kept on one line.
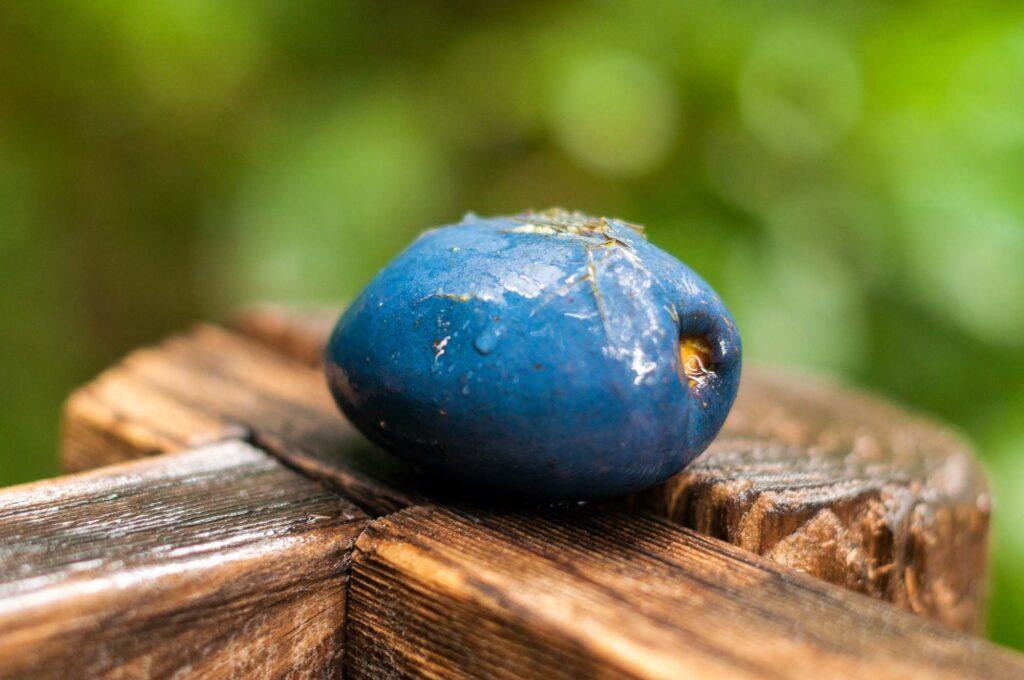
{"points": [[536, 356]]}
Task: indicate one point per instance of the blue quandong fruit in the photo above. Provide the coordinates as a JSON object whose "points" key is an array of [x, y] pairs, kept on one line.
{"points": [[547, 355]]}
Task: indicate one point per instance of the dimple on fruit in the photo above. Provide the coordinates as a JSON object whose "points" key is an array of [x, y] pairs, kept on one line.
{"points": [[546, 355]]}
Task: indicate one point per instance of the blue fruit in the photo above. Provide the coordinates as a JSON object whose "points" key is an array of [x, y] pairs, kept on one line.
{"points": [[547, 355]]}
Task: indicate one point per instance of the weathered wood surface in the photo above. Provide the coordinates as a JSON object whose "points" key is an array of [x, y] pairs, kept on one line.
{"points": [[218, 562], [835, 484], [210, 384], [847, 488], [806, 474], [602, 592]]}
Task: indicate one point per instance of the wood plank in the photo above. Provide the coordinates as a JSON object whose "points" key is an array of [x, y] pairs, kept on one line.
{"points": [[209, 384], [602, 592], [834, 483], [823, 479], [215, 563]]}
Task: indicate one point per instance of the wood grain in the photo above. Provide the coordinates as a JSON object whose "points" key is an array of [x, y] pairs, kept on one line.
{"points": [[213, 563], [207, 385], [820, 478], [847, 488], [824, 479], [602, 592]]}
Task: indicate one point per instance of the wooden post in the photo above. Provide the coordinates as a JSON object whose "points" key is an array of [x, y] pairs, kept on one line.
{"points": [[220, 563], [825, 480], [224, 561]]}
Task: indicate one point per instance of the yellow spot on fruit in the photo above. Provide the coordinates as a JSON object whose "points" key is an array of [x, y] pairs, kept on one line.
{"points": [[695, 358]]}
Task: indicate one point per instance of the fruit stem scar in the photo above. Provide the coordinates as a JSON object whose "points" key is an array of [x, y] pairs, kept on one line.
{"points": [[559, 221], [695, 359]]}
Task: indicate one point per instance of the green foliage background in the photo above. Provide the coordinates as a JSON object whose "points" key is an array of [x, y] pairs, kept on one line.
{"points": [[847, 174]]}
